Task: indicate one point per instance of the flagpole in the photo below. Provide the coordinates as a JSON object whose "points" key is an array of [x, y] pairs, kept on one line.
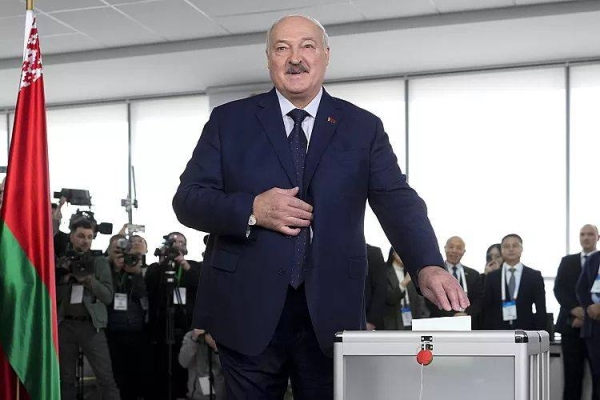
{"points": [[29, 6]]}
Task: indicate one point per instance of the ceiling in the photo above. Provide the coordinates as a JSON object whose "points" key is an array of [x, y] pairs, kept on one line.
{"points": [[98, 49]]}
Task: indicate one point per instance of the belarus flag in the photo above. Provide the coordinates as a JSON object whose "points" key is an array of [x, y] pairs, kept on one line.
{"points": [[28, 328]]}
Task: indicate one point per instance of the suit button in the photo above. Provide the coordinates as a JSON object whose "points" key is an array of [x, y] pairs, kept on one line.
{"points": [[281, 271]]}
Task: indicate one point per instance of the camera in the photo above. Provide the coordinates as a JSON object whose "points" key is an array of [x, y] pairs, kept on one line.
{"points": [[169, 250], [77, 197], [78, 264], [104, 227], [125, 246]]}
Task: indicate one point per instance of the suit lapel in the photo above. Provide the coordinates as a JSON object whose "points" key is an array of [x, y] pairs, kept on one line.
{"points": [[326, 122], [269, 115]]}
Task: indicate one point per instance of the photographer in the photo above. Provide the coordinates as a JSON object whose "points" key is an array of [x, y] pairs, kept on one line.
{"points": [[83, 290], [128, 340], [180, 297]]}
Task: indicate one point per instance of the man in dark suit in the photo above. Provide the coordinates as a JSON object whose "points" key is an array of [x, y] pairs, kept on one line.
{"points": [[375, 288], [570, 318], [512, 291], [588, 294], [286, 260], [469, 279]]}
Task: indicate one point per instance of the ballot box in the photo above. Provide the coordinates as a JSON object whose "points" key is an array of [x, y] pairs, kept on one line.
{"points": [[490, 365]]}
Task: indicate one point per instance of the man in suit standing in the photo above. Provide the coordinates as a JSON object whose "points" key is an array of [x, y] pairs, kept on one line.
{"points": [[588, 294], [570, 318], [512, 291], [275, 290], [375, 288], [469, 279]]}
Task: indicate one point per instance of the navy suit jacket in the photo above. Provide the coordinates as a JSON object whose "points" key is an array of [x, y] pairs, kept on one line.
{"points": [[564, 291], [242, 152], [531, 291], [590, 328]]}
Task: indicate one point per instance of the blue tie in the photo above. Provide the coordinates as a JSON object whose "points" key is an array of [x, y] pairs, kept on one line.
{"points": [[298, 145]]}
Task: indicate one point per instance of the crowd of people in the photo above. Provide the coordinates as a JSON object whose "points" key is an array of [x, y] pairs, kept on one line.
{"points": [[506, 295]]}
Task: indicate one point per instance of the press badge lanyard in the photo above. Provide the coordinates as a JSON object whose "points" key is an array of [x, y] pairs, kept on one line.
{"points": [[509, 308], [405, 311]]}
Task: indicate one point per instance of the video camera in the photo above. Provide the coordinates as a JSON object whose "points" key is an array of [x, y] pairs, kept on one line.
{"points": [[76, 263], [169, 251], [126, 246], [104, 227]]}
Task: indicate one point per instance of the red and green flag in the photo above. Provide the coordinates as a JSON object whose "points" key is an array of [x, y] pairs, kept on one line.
{"points": [[28, 325]]}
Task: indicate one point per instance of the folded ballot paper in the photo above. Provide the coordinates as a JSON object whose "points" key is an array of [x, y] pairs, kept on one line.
{"points": [[462, 323]]}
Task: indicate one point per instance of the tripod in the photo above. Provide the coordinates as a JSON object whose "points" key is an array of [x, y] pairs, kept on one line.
{"points": [[171, 292], [79, 375]]}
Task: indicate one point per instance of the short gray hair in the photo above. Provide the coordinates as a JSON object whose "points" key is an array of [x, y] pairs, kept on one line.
{"points": [[311, 19]]}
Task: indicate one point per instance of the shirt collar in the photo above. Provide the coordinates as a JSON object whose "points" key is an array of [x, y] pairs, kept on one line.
{"points": [[449, 266], [286, 106], [518, 267], [588, 254]]}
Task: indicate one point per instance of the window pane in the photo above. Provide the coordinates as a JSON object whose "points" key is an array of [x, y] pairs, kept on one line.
{"points": [[585, 147], [384, 98], [165, 133], [88, 149], [488, 156]]}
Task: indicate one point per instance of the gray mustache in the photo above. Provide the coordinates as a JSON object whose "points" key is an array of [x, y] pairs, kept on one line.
{"points": [[296, 69]]}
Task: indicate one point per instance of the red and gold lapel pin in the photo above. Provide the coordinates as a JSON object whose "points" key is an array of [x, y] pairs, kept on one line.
{"points": [[331, 120]]}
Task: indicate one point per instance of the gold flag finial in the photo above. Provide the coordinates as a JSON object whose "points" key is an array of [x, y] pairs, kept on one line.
{"points": [[29, 5]]}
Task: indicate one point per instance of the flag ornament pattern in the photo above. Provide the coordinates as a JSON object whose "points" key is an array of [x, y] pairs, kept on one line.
{"points": [[32, 61]]}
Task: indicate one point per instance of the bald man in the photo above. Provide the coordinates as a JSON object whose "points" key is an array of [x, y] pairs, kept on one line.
{"points": [[469, 279], [570, 318]]}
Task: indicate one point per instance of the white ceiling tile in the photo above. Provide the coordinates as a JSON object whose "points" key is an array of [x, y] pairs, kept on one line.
{"points": [[238, 7], [49, 26], [381, 9], [327, 15], [173, 19], [66, 5], [12, 28], [11, 48], [67, 44], [445, 6], [118, 2], [11, 8], [108, 26]]}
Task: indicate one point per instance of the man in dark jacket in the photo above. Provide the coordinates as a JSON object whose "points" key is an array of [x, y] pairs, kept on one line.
{"points": [[128, 340], [375, 288]]}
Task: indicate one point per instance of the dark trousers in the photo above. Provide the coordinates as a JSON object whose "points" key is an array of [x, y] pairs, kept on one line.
{"points": [[593, 346], [130, 355], [293, 353], [574, 355], [71, 336]]}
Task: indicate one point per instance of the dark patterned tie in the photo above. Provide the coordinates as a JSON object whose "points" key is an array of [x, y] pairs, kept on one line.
{"points": [[455, 273], [512, 283], [298, 145]]}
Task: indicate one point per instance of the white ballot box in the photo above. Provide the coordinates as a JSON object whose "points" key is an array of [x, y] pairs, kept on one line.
{"points": [[490, 365]]}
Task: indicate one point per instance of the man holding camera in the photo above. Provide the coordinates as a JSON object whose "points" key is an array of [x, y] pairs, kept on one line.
{"points": [[83, 290], [171, 285], [126, 332]]}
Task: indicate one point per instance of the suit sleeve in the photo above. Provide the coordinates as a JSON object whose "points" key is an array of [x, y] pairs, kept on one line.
{"points": [[562, 293], [201, 201], [540, 302], [400, 211], [475, 295]]}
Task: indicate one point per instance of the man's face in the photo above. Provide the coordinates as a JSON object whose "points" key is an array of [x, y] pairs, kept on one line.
{"points": [[511, 250], [82, 239], [588, 237], [138, 245], [297, 59], [455, 250], [115, 255]]}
